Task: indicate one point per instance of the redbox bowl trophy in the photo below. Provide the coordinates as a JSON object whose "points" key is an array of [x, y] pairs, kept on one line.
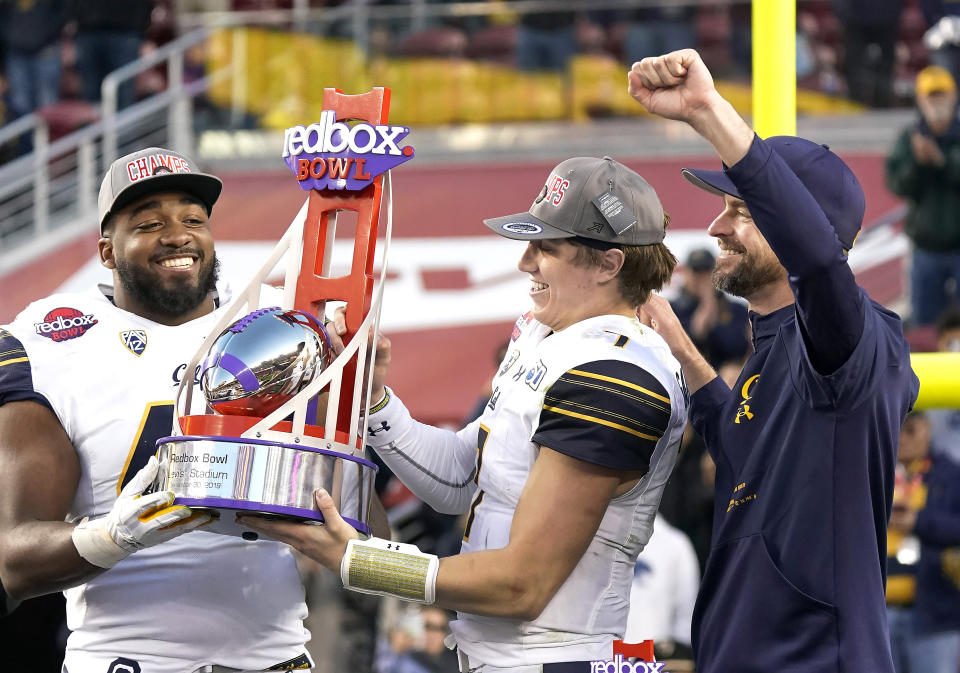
{"points": [[263, 443]]}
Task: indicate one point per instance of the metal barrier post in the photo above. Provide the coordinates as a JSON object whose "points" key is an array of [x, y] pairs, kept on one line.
{"points": [[86, 169], [178, 123], [108, 106], [41, 184]]}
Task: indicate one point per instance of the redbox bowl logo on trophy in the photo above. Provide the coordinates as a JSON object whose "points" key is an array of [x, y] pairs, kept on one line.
{"points": [[334, 155]]}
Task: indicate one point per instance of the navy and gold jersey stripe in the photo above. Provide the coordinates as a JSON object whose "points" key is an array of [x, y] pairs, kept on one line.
{"points": [[16, 378], [13, 352], [607, 412]]}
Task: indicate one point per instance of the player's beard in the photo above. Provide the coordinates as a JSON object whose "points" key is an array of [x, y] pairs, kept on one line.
{"points": [[169, 302], [749, 275]]}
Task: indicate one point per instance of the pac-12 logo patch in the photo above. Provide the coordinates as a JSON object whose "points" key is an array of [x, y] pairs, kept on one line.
{"points": [[65, 323], [135, 340]]}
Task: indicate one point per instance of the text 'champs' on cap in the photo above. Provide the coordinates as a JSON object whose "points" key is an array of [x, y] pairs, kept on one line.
{"points": [[153, 170]]}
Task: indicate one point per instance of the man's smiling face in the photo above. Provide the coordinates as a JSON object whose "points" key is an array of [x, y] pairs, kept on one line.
{"points": [[746, 263], [161, 249]]}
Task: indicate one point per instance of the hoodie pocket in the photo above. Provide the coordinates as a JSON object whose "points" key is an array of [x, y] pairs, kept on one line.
{"points": [[751, 618]]}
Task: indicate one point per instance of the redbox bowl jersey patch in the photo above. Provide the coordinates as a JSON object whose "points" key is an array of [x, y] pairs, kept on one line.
{"points": [[64, 323]]}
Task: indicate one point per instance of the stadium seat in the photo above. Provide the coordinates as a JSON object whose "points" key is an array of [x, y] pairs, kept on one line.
{"points": [[66, 116], [496, 44], [442, 42]]}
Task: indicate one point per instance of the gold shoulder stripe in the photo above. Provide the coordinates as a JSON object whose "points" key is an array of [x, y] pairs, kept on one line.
{"points": [[597, 410], [627, 384], [13, 361], [602, 421]]}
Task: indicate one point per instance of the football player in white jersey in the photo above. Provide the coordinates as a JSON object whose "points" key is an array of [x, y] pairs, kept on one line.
{"points": [[87, 383], [561, 476]]}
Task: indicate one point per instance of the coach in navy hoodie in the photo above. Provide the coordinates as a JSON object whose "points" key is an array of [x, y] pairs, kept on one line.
{"points": [[805, 443]]}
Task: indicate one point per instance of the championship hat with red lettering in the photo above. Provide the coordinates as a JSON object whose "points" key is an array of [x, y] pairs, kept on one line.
{"points": [[596, 202], [153, 170]]}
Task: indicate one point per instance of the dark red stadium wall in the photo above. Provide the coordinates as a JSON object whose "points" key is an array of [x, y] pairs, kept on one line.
{"points": [[439, 372]]}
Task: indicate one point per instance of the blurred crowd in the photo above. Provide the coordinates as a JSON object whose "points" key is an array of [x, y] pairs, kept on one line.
{"points": [[55, 53]]}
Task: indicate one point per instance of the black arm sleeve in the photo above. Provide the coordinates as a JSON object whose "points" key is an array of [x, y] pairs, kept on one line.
{"points": [[16, 380], [607, 412]]}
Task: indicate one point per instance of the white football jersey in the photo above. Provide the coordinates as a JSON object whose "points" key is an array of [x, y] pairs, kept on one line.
{"points": [[111, 378], [605, 390]]}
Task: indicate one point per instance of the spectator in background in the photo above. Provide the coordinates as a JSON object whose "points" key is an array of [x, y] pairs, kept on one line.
{"points": [[716, 323], [934, 634], [870, 29], [546, 40], [945, 423], [432, 656], [658, 30], [665, 582], [31, 39], [942, 39], [924, 168], [109, 36], [903, 548]]}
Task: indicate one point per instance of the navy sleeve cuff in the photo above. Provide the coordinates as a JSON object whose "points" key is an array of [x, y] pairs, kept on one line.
{"points": [[754, 161], [706, 405]]}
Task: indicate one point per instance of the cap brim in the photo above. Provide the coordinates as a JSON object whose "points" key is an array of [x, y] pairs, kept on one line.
{"points": [[525, 227], [715, 182], [205, 187]]}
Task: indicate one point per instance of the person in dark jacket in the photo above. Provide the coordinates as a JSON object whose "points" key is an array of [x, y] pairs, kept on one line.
{"points": [[903, 548], [934, 645], [938, 573], [109, 36], [924, 168], [716, 323], [805, 443], [30, 33], [870, 30]]}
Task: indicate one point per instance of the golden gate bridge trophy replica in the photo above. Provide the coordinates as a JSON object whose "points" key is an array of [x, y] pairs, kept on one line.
{"points": [[264, 442]]}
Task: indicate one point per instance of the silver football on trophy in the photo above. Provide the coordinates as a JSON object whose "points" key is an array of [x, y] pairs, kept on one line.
{"points": [[262, 360]]}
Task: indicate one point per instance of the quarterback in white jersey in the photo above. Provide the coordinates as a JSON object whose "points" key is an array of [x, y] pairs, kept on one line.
{"points": [[561, 476], [87, 386]]}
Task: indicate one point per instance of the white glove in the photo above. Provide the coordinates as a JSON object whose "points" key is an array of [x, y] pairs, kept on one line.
{"points": [[135, 522]]}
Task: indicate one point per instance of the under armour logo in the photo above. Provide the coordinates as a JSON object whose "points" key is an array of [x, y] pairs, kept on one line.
{"points": [[373, 431]]}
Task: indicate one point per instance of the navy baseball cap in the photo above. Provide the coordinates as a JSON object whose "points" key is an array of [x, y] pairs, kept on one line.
{"points": [[825, 175]]}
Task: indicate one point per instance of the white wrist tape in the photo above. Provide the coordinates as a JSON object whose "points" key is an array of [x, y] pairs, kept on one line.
{"points": [[386, 568], [94, 544]]}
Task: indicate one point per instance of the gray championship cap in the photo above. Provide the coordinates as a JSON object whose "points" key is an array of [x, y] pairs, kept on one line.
{"points": [[153, 170], [592, 199]]}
